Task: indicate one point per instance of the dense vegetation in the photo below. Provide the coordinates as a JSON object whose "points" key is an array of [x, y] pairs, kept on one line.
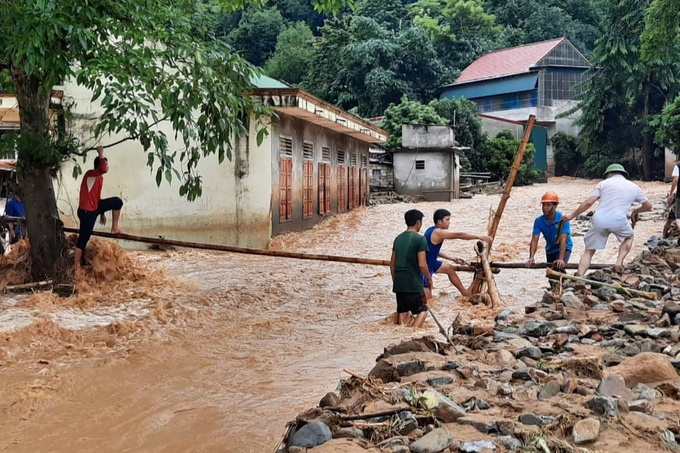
{"points": [[370, 58]]}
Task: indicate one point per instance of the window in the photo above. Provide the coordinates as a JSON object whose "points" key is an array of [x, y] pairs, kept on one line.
{"points": [[420, 165], [353, 159], [286, 146], [364, 161], [342, 189], [286, 189], [341, 157], [324, 188], [326, 154], [377, 172], [308, 150], [307, 188]]}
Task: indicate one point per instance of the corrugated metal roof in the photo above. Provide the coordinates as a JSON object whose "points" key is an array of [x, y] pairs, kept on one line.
{"points": [[264, 82], [492, 87], [515, 60]]}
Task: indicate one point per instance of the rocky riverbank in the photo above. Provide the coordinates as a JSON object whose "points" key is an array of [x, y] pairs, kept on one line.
{"points": [[589, 368]]}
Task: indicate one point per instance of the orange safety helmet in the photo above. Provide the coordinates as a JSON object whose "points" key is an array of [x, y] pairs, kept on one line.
{"points": [[550, 197]]}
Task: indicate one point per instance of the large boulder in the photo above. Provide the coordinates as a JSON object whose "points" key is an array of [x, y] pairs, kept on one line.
{"points": [[442, 407], [646, 368], [311, 435], [586, 431], [435, 441]]}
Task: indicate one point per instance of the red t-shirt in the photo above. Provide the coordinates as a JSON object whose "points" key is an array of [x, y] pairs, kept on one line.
{"points": [[91, 187]]}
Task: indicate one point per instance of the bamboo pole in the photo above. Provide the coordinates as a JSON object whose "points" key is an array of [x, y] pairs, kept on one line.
{"points": [[247, 251], [442, 330], [493, 228], [551, 274], [491, 283], [520, 265]]}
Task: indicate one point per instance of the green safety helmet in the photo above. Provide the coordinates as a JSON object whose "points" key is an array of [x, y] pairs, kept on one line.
{"points": [[615, 168]]}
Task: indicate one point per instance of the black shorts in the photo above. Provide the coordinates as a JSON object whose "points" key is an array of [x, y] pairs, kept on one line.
{"points": [[414, 302], [89, 218]]}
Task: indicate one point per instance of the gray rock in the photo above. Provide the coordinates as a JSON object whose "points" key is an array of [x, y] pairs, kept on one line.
{"points": [[631, 349], [311, 435], [650, 346], [483, 426], [615, 343], [549, 390], [505, 390], [612, 360], [676, 364], [451, 365], [588, 341], [407, 422], [511, 443], [615, 385], [442, 407], [601, 307], [644, 392], [522, 375], [606, 294], [536, 328], [604, 405], [639, 406], [410, 368], [586, 431], [535, 420], [569, 330], [499, 336], [349, 433], [574, 339], [435, 441], [439, 380], [505, 314], [483, 405], [476, 446], [396, 445], [532, 352], [656, 332], [571, 300]]}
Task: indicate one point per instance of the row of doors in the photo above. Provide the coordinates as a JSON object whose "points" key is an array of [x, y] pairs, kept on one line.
{"points": [[352, 186]]}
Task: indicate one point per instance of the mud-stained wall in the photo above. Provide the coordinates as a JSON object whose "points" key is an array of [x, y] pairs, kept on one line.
{"points": [[300, 131], [234, 208], [433, 174]]}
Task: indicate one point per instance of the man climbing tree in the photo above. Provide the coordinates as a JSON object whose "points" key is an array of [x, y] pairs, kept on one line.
{"points": [[146, 62]]}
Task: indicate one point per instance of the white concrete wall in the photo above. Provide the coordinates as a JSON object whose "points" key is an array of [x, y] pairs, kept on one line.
{"points": [[234, 208], [410, 181], [669, 163]]}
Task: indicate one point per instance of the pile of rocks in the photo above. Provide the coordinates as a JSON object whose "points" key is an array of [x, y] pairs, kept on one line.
{"points": [[378, 198], [584, 370]]}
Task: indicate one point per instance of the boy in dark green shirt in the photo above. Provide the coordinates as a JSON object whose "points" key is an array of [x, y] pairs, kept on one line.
{"points": [[408, 265]]}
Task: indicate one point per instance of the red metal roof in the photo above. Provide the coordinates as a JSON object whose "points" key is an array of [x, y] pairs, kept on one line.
{"points": [[514, 60]]}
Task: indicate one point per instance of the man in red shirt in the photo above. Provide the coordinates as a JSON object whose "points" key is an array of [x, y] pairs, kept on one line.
{"points": [[91, 205]]}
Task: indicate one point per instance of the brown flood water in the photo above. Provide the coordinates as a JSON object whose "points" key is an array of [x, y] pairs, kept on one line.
{"points": [[246, 342]]}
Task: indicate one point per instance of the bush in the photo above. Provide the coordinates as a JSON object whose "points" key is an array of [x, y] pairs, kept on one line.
{"points": [[502, 150], [568, 158], [407, 112]]}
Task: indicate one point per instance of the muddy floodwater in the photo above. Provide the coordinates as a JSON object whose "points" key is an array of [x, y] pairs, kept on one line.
{"points": [[228, 348]]}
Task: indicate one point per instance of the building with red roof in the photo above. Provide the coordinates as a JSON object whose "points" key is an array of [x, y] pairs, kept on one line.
{"points": [[508, 85]]}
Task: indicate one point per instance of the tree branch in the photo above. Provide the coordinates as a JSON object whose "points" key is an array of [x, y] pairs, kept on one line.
{"points": [[122, 140]]}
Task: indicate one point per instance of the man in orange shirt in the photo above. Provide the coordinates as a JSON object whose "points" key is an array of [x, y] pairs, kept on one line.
{"points": [[91, 205]]}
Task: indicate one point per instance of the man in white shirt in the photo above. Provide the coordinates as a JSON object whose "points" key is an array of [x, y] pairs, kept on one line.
{"points": [[616, 195], [673, 202]]}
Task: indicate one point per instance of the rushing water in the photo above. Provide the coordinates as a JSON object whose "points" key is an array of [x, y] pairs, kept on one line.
{"points": [[252, 340]]}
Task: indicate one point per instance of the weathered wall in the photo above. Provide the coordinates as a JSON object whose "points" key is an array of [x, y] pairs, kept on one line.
{"points": [[411, 181], [234, 208], [669, 163], [420, 136], [382, 176], [300, 130]]}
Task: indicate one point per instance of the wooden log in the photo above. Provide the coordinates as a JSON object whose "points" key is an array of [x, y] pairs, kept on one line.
{"points": [[483, 254], [384, 413], [520, 265], [553, 275], [493, 228], [26, 286], [247, 251]]}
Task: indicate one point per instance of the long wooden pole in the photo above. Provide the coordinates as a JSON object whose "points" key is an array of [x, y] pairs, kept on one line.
{"points": [[493, 228], [247, 251], [491, 283], [551, 274], [520, 265]]}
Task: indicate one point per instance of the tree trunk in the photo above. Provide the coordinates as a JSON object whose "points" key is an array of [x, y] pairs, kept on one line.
{"points": [[42, 217], [647, 151]]}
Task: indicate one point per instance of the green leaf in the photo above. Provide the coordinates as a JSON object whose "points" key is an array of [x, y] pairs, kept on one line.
{"points": [[260, 136]]}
